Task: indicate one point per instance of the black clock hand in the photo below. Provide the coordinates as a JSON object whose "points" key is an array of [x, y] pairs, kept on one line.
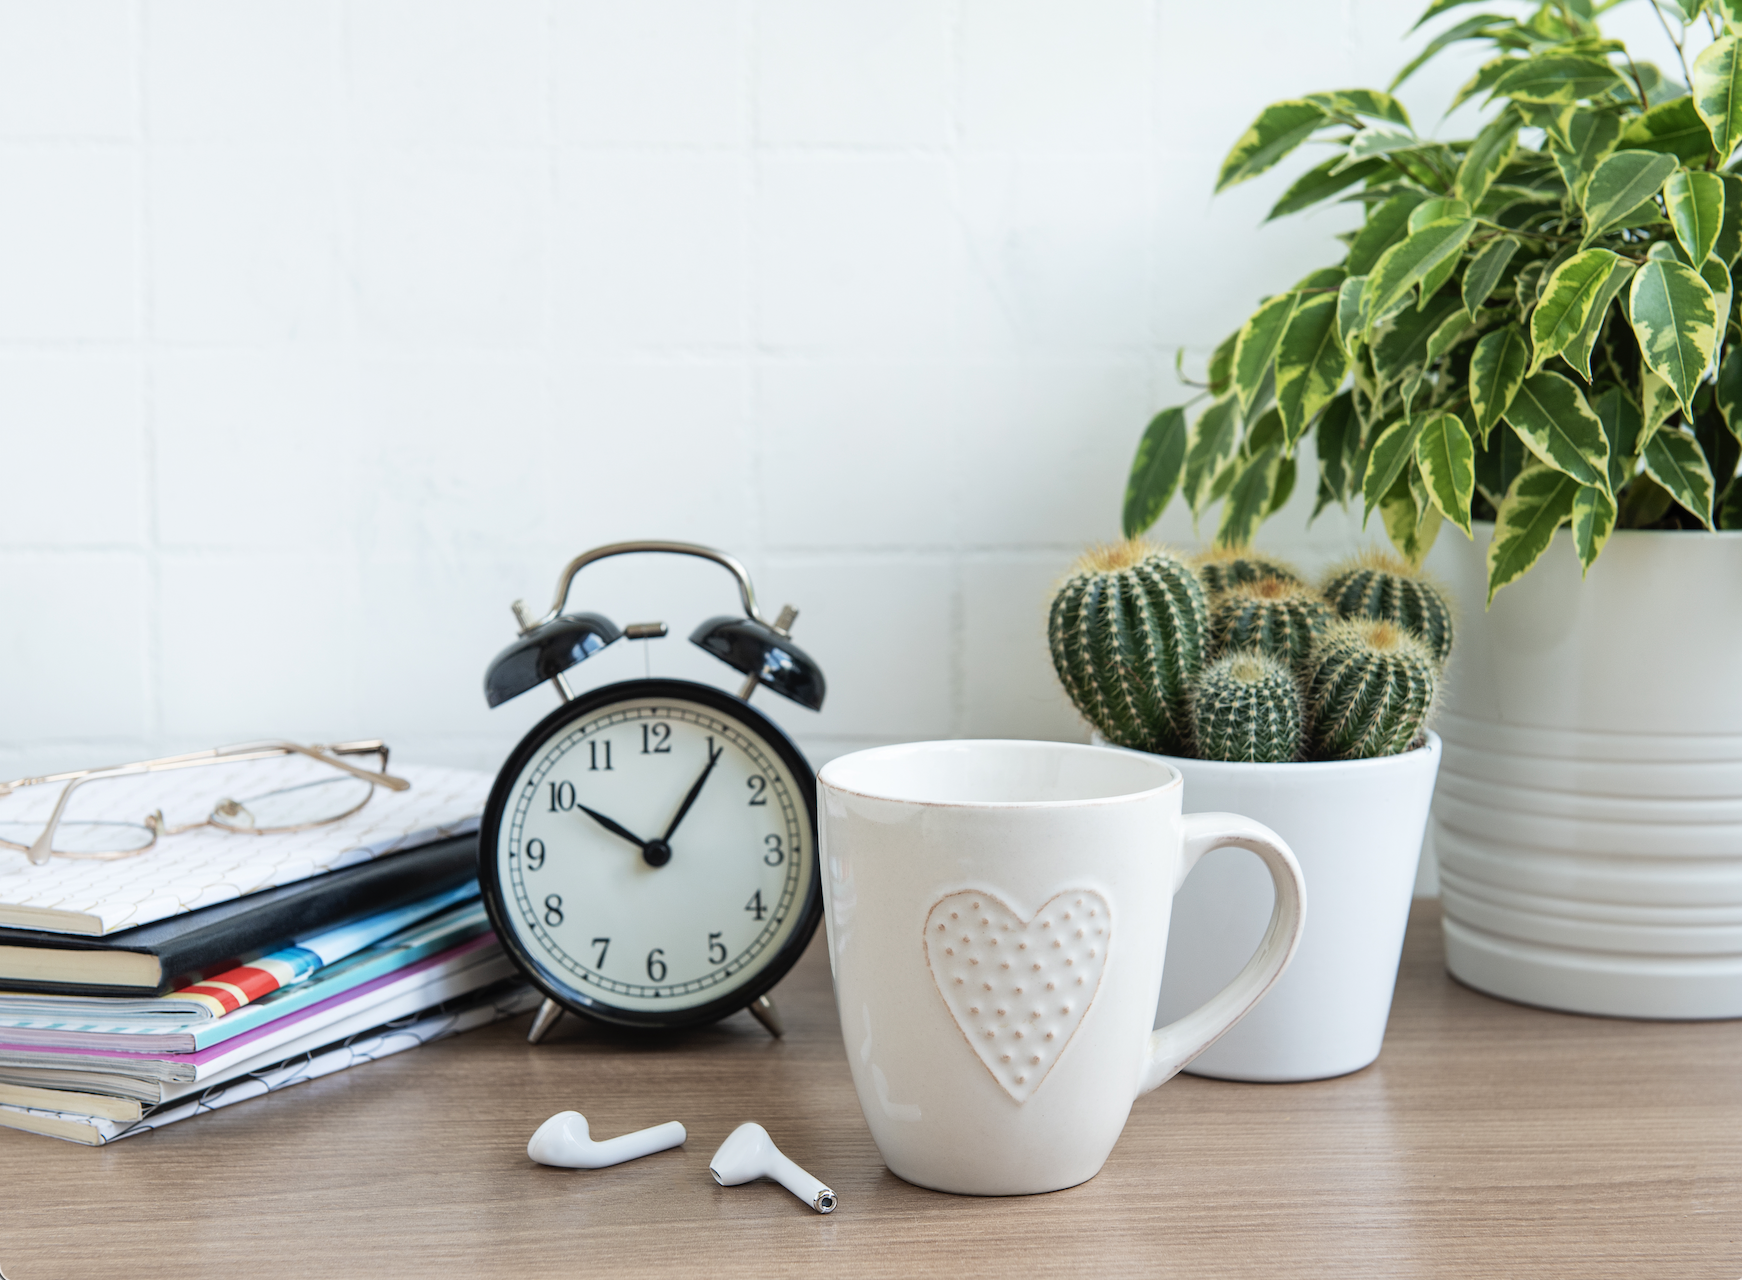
{"points": [[614, 828], [695, 791]]}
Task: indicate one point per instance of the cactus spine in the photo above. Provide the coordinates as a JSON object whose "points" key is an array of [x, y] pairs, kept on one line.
{"points": [[1371, 689], [1382, 586], [1274, 616], [1227, 567], [1127, 632], [1247, 706]]}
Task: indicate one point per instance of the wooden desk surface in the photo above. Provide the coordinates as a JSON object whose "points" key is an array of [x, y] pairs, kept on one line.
{"points": [[1489, 1140]]}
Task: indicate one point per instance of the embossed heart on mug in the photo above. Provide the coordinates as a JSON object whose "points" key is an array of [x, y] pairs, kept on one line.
{"points": [[1018, 989]]}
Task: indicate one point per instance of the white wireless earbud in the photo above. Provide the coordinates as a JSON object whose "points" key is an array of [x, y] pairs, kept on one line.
{"points": [[749, 1153], [563, 1141]]}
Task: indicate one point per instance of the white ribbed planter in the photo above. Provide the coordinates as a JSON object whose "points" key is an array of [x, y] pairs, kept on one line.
{"points": [[1588, 820]]}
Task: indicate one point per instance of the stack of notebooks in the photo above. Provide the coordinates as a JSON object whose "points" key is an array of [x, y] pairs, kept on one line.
{"points": [[122, 1011]]}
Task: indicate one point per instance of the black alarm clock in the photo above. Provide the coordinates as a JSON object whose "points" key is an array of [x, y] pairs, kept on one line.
{"points": [[648, 854]]}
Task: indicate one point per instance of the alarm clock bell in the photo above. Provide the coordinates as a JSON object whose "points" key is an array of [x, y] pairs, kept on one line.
{"points": [[550, 645]]}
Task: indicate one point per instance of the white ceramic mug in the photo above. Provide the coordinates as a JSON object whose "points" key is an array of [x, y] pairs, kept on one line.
{"points": [[998, 917]]}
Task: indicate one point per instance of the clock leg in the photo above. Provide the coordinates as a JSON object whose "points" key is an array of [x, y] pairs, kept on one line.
{"points": [[762, 1008], [545, 1019]]}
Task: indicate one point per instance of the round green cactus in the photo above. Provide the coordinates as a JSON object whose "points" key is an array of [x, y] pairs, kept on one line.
{"points": [[1382, 586], [1127, 631], [1371, 689], [1247, 706], [1226, 567], [1277, 617]]}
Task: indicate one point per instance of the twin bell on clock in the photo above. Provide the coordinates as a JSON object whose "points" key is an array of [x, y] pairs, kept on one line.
{"points": [[648, 854]]}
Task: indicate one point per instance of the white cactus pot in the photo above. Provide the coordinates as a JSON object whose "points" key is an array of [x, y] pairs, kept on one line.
{"points": [[1588, 822], [1356, 828]]}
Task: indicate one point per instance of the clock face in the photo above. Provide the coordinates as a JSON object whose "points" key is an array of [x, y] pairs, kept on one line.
{"points": [[649, 853]]}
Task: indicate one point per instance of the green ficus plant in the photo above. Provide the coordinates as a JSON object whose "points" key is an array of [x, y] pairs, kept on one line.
{"points": [[1535, 326]]}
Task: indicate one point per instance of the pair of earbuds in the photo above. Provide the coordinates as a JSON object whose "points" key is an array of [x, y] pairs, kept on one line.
{"points": [[746, 1155]]}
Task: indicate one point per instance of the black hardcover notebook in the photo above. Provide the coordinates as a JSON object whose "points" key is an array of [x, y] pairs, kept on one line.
{"points": [[159, 957]]}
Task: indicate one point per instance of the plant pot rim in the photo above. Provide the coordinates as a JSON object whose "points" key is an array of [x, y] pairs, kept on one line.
{"points": [[1371, 764]]}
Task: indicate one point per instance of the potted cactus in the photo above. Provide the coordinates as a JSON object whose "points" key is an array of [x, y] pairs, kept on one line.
{"points": [[1306, 708], [1533, 336]]}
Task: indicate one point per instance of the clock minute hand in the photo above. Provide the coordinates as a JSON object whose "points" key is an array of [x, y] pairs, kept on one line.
{"points": [[695, 791], [613, 827]]}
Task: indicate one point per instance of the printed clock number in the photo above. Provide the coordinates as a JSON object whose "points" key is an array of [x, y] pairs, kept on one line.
{"points": [[656, 964], [594, 755], [716, 949], [775, 855], [604, 945], [562, 797], [553, 910], [755, 907], [534, 854], [758, 787], [655, 740]]}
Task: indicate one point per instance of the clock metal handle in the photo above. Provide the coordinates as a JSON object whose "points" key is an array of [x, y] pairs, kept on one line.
{"points": [[730, 563]]}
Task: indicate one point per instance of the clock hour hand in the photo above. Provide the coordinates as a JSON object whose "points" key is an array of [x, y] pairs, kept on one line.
{"points": [[615, 828], [695, 791]]}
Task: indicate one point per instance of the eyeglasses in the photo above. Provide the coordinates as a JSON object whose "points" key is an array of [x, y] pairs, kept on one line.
{"points": [[286, 787]]}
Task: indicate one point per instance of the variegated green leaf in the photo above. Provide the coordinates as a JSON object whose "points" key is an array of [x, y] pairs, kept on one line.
{"points": [[1622, 426], [1221, 369], [1256, 347], [1279, 129], [1566, 302], [1489, 153], [1285, 474], [1729, 390], [1368, 103], [1447, 460], [1728, 11], [1374, 141], [1486, 77], [1717, 278], [1386, 224], [1674, 127], [1214, 442], [1539, 502], [1620, 184], [1729, 243], [1551, 416], [1496, 373], [1321, 183], [1436, 210], [1351, 320], [1674, 459], [1469, 29], [1656, 402], [1438, 7], [1498, 462], [1557, 78], [1592, 135], [1593, 520], [1676, 321], [1411, 529], [1717, 90], [1578, 351], [1400, 343], [1696, 210], [1310, 364], [1391, 453], [1156, 470], [1554, 120], [1485, 270], [1405, 264], [1249, 498], [1336, 424], [1453, 330]]}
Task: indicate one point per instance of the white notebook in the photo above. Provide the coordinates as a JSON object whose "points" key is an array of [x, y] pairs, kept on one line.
{"points": [[204, 867]]}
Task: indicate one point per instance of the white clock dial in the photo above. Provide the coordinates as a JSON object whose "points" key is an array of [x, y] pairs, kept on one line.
{"points": [[617, 904]]}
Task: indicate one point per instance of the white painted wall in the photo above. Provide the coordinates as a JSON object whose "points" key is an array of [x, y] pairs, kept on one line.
{"points": [[328, 329]]}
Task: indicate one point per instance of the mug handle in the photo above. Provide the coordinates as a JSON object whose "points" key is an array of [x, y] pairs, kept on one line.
{"points": [[1176, 1044]]}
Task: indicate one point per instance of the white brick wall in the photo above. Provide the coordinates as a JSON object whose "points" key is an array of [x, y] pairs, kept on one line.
{"points": [[327, 329]]}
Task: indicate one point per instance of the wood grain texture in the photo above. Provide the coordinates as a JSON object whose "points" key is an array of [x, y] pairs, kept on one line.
{"points": [[1490, 1140]]}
